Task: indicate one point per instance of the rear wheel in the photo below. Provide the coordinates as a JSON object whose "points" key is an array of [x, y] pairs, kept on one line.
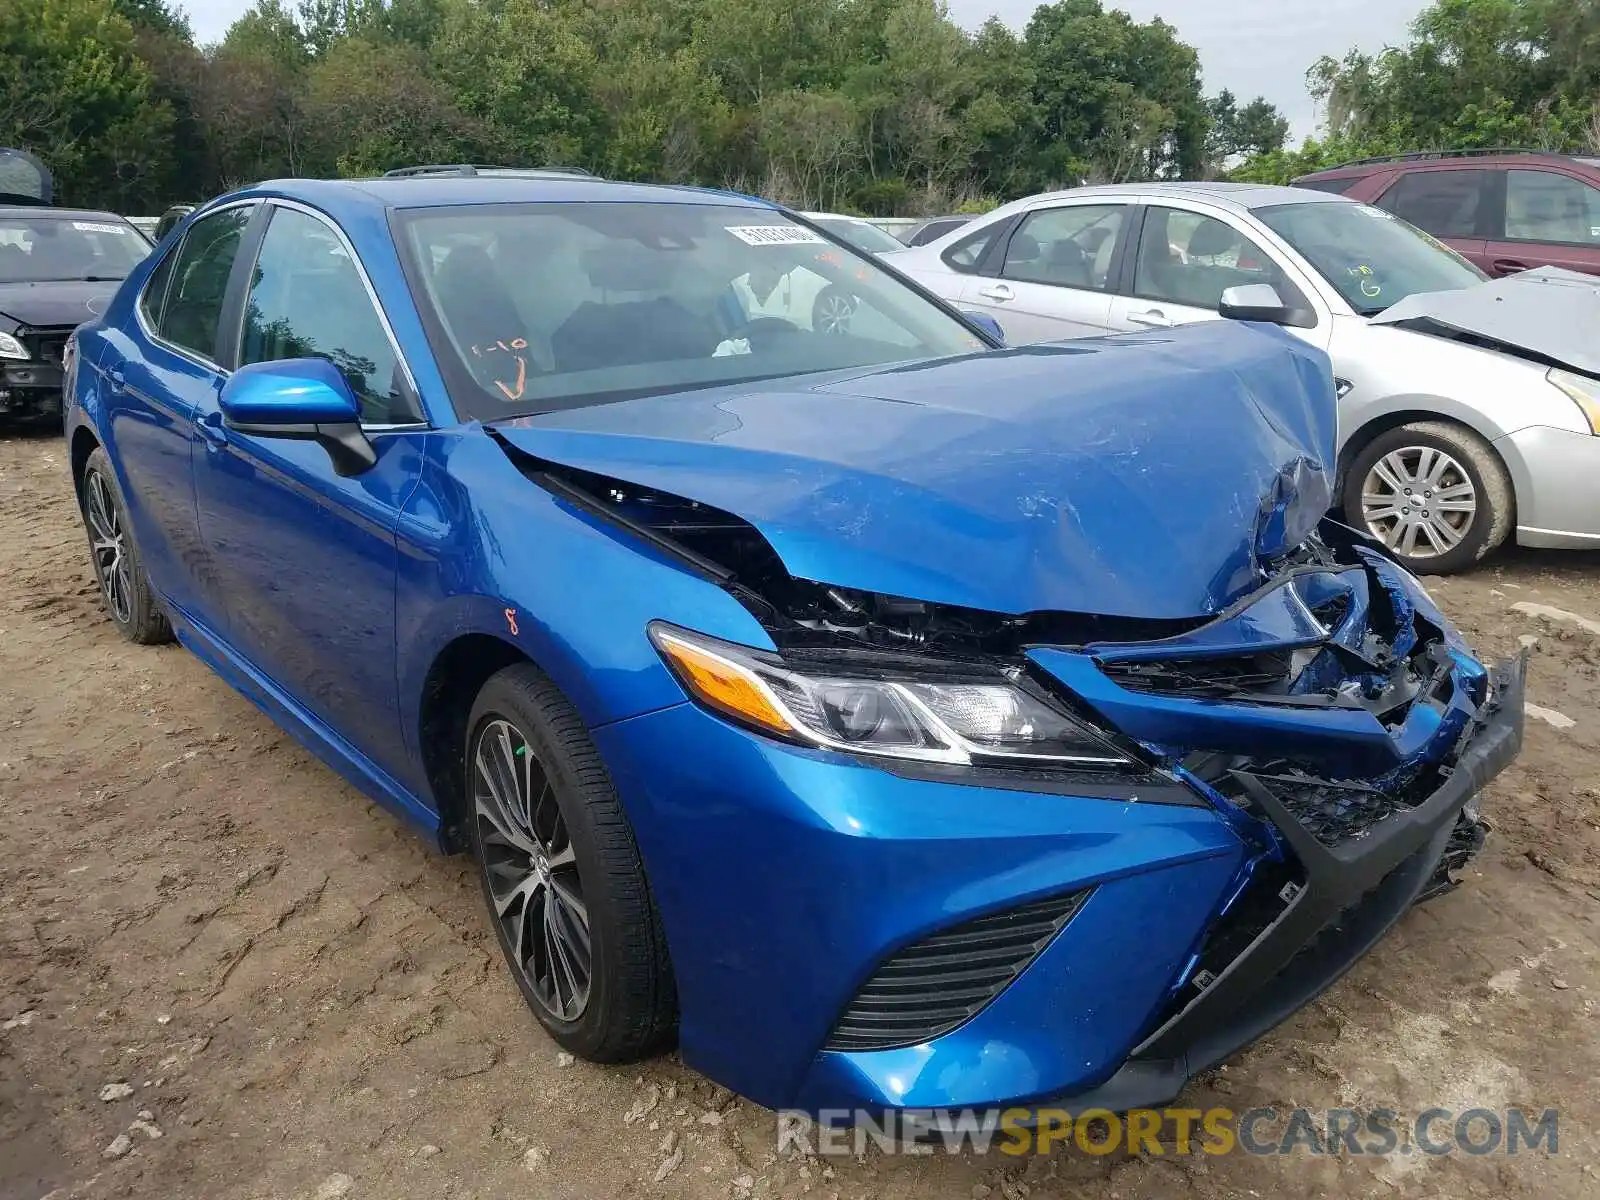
{"points": [[1435, 493], [129, 601], [562, 876], [832, 311]]}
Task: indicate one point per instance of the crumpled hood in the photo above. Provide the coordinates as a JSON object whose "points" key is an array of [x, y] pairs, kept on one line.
{"points": [[1142, 476], [1551, 313], [67, 302]]}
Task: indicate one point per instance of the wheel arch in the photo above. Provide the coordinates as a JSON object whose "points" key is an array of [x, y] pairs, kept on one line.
{"points": [[84, 443], [453, 681]]}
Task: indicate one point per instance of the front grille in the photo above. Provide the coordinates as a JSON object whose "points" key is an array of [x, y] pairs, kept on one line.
{"points": [[1333, 813], [1205, 678], [46, 345], [943, 981]]}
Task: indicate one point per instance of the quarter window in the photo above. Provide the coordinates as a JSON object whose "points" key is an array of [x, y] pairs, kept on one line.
{"points": [[1189, 258], [1542, 206], [1066, 247], [1445, 203], [199, 281], [307, 300], [967, 254]]}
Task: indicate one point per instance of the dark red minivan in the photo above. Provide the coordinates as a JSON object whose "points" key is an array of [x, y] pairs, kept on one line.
{"points": [[1506, 210]]}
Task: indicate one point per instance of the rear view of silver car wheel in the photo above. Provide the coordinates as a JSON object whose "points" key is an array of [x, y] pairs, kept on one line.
{"points": [[1435, 493]]}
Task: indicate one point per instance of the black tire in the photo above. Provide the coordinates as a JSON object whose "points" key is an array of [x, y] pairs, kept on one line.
{"points": [[832, 311], [124, 588], [631, 1007], [1472, 461]]}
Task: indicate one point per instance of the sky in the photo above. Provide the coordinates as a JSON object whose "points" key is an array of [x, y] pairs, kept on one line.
{"points": [[1252, 47]]}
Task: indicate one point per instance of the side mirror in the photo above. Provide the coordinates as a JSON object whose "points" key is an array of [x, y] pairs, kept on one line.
{"points": [[1261, 302], [986, 323], [302, 398]]}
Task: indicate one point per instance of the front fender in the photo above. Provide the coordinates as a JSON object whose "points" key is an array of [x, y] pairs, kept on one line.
{"points": [[485, 550]]}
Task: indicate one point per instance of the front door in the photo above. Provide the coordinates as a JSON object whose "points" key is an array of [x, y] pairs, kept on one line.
{"points": [[1183, 263], [1551, 219], [307, 557]]}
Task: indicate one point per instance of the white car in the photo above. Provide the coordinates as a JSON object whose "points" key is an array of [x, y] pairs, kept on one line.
{"points": [[805, 298], [1469, 410]]}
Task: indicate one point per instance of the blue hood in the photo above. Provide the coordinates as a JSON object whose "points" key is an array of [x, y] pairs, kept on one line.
{"points": [[1149, 476]]}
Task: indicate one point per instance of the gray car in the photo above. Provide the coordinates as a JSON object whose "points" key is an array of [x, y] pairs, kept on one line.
{"points": [[1465, 417]]}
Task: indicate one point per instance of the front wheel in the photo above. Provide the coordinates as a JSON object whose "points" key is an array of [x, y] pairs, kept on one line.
{"points": [[562, 876], [832, 311], [1435, 493]]}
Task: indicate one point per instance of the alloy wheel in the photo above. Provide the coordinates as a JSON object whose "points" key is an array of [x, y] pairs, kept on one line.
{"points": [[531, 869], [1419, 501], [834, 310], [108, 543]]}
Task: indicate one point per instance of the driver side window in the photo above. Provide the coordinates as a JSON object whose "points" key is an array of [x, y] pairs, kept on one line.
{"points": [[1065, 247], [1189, 258]]}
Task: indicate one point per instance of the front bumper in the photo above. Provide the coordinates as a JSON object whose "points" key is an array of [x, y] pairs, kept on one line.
{"points": [[803, 893], [1556, 476], [29, 388]]}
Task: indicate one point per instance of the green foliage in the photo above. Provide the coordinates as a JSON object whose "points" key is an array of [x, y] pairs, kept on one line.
{"points": [[1475, 74], [878, 106]]}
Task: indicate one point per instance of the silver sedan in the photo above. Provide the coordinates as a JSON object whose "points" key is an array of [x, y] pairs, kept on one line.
{"points": [[1455, 434]]}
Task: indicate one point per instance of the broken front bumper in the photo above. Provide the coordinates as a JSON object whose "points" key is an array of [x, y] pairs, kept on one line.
{"points": [[29, 388], [1350, 896]]}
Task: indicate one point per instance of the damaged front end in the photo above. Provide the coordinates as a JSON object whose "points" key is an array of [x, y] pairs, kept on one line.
{"points": [[1331, 716]]}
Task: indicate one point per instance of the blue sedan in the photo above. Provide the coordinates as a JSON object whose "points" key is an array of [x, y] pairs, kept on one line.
{"points": [[894, 719]]}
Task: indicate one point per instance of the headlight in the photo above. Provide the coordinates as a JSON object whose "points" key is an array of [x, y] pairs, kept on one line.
{"points": [[1582, 390], [11, 348], [936, 715]]}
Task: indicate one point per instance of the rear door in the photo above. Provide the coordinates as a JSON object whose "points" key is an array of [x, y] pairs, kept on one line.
{"points": [[159, 373], [1456, 205], [1054, 277], [1550, 218]]}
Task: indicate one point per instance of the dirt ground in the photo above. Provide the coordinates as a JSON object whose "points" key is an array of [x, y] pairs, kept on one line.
{"points": [[306, 1002]]}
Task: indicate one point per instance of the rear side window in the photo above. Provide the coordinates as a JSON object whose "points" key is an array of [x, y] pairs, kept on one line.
{"points": [[199, 281], [1445, 203], [1544, 206], [967, 254], [154, 297], [308, 300], [1066, 247], [1337, 186]]}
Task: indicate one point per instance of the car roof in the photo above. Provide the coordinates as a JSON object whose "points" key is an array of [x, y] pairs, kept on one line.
{"points": [[1240, 196], [64, 214], [1436, 158], [436, 191]]}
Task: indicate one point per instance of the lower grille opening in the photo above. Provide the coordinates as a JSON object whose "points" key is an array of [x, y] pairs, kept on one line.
{"points": [[933, 986]]}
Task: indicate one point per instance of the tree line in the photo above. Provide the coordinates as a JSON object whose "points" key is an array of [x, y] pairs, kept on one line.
{"points": [[884, 107], [1474, 74], [876, 106]]}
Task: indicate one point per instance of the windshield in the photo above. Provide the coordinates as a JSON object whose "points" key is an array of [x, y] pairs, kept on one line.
{"points": [[1372, 258], [535, 307], [863, 235], [43, 249]]}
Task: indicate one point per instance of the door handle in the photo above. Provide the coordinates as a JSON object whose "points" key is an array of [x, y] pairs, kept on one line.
{"points": [[1508, 266], [999, 292], [116, 378], [1153, 317], [210, 426]]}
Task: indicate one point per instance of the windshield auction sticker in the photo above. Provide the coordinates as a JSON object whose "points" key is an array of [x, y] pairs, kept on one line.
{"points": [[775, 235], [98, 227]]}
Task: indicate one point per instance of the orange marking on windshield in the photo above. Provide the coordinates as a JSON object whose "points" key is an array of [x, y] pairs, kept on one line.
{"points": [[522, 381]]}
